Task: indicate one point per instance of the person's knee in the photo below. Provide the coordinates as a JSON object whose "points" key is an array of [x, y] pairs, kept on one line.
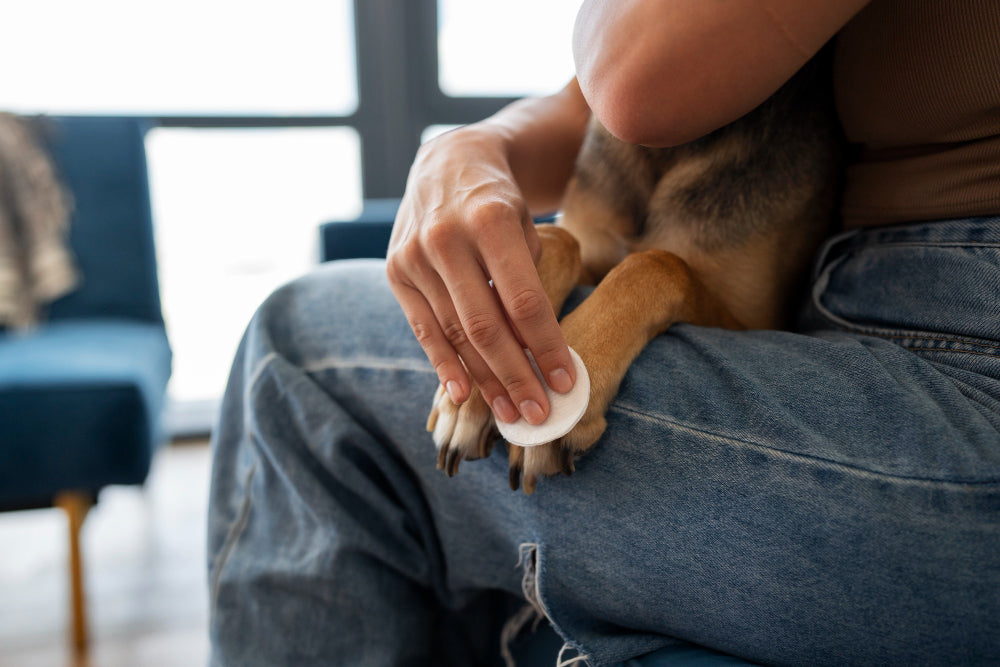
{"points": [[307, 316]]}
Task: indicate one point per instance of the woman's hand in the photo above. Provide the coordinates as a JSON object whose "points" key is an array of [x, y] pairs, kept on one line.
{"points": [[463, 223]]}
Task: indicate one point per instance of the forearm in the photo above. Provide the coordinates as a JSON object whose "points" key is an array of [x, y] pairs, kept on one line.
{"points": [[665, 72], [540, 139]]}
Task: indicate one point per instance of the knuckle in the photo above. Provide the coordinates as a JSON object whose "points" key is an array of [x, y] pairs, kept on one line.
{"points": [[438, 237], [423, 332], [548, 356], [528, 305], [489, 213], [393, 269], [402, 263], [483, 329], [441, 367], [454, 332], [517, 385], [408, 254]]}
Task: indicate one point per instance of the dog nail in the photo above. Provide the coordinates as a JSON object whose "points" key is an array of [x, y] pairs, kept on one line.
{"points": [[529, 484], [442, 455], [532, 412], [452, 464], [566, 461], [515, 477], [560, 380], [485, 443]]}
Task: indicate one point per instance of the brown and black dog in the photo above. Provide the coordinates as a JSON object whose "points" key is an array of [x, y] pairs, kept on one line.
{"points": [[718, 232]]}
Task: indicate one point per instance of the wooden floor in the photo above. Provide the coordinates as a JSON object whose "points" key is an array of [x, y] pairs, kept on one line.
{"points": [[144, 557]]}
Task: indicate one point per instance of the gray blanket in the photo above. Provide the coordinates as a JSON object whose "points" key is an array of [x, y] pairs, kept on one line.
{"points": [[35, 263]]}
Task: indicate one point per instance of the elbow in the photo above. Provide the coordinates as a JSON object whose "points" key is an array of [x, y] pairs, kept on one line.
{"points": [[617, 71], [638, 111], [651, 82], [618, 112], [627, 91]]}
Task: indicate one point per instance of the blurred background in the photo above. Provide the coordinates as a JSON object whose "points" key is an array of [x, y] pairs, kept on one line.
{"points": [[267, 120]]}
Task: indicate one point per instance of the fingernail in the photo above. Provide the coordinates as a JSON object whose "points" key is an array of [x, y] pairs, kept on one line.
{"points": [[532, 412], [504, 409], [454, 391], [560, 381]]}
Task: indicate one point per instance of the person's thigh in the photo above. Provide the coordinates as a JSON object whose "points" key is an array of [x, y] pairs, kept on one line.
{"points": [[820, 498], [788, 499], [829, 496]]}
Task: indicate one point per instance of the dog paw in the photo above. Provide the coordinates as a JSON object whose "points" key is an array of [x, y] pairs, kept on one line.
{"points": [[463, 431], [529, 464]]}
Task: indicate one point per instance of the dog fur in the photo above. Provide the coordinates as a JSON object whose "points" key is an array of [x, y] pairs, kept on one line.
{"points": [[717, 232]]}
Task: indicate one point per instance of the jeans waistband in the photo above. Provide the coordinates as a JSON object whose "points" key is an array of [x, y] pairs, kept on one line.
{"points": [[963, 232]]}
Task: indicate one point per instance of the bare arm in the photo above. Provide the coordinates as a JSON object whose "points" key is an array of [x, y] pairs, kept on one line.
{"points": [[658, 72], [665, 72], [542, 137]]}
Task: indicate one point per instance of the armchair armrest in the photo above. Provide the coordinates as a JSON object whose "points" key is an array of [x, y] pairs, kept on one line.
{"points": [[365, 236]]}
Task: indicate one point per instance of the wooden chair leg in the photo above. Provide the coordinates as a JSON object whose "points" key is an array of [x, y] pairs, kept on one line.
{"points": [[76, 505]]}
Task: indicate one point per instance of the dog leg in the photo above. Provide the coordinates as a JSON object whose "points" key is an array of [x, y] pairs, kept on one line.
{"points": [[638, 300], [467, 431]]}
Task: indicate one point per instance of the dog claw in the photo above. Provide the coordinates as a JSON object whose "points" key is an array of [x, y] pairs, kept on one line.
{"points": [[530, 482], [486, 442], [566, 461], [451, 464], [515, 477]]}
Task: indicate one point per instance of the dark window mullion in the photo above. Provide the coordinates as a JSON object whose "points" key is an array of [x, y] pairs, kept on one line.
{"points": [[389, 108]]}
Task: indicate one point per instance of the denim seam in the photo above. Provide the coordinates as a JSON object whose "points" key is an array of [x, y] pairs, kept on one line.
{"points": [[235, 533], [847, 467], [369, 363], [887, 334], [940, 339], [262, 365], [928, 349], [878, 245]]}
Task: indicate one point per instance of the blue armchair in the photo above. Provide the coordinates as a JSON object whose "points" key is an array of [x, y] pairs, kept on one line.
{"points": [[81, 396], [368, 236]]}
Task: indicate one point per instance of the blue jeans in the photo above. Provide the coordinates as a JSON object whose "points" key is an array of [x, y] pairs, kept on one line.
{"points": [[824, 496]]}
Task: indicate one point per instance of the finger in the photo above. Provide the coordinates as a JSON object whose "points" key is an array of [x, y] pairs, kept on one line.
{"points": [[437, 296], [428, 306], [454, 332], [485, 324], [530, 313], [443, 357]]}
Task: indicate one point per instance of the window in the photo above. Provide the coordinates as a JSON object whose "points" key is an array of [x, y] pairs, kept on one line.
{"points": [[271, 119], [237, 212], [518, 47], [188, 57]]}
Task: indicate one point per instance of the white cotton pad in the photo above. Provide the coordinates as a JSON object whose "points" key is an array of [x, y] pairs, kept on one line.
{"points": [[565, 410]]}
